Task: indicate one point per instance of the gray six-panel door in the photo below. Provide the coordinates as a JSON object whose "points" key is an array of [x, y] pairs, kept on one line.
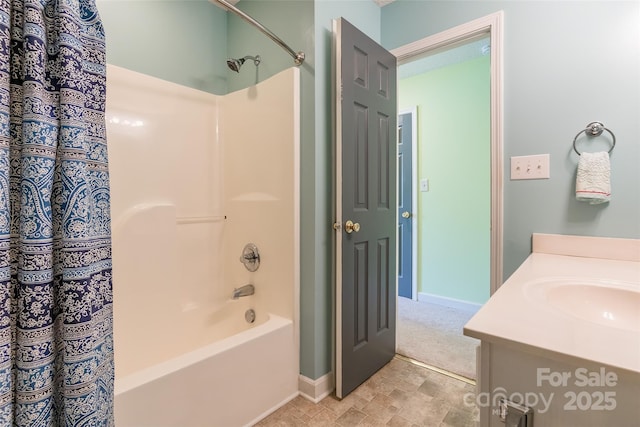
{"points": [[366, 123]]}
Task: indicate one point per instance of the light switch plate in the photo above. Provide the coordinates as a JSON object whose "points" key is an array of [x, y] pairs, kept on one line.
{"points": [[424, 184], [530, 167]]}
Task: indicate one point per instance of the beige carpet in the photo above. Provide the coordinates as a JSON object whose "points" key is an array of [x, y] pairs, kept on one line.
{"points": [[432, 334]]}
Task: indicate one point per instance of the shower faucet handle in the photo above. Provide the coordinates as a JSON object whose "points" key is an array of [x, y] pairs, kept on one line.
{"points": [[250, 257]]}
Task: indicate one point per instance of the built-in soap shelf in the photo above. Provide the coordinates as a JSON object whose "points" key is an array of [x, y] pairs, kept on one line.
{"points": [[200, 219], [160, 213]]}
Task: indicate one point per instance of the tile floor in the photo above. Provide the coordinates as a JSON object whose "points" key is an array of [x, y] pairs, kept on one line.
{"points": [[401, 394]]}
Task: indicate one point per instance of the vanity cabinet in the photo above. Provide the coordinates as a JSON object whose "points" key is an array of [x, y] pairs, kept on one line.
{"points": [[565, 392]]}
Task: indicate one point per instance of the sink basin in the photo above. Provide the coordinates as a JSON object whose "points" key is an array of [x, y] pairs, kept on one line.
{"points": [[615, 305]]}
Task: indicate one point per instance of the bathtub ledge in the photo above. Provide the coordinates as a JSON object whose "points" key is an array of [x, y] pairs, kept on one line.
{"points": [[133, 381]]}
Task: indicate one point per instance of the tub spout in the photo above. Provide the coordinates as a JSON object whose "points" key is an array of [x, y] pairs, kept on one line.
{"points": [[244, 291]]}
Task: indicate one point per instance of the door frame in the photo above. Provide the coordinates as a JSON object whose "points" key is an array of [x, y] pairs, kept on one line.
{"points": [[491, 25], [414, 198]]}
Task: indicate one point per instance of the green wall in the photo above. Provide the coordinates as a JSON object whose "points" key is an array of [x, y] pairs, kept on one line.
{"points": [[454, 154], [566, 64]]}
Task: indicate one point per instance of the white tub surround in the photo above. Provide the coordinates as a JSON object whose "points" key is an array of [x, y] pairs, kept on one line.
{"points": [[570, 311], [194, 178]]}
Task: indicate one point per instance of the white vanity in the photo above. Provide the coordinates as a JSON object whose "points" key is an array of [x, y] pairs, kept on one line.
{"points": [[562, 335]]}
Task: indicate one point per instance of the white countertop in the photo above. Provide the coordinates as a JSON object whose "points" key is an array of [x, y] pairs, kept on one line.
{"points": [[511, 317]]}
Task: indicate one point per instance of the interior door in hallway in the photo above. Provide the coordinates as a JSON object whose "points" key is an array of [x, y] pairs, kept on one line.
{"points": [[366, 154], [405, 212]]}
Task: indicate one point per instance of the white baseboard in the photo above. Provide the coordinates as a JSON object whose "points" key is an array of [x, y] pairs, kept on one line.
{"points": [[449, 302], [316, 390]]}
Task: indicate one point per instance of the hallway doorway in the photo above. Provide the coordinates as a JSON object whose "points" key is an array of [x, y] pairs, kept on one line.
{"points": [[456, 213]]}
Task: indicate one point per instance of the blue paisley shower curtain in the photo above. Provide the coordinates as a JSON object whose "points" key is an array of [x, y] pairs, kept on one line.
{"points": [[56, 347]]}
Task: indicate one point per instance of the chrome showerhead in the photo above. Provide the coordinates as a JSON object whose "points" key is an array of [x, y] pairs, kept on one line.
{"points": [[235, 64]]}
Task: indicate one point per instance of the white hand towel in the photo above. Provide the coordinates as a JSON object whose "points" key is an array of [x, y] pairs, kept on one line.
{"points": [[593, 179]]}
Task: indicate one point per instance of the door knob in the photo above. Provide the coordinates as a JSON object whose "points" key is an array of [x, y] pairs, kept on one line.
{"points": [[406, 214], [351, 226]]}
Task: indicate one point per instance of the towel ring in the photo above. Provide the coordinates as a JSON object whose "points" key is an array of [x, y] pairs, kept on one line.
{"points": [[594, 129]]}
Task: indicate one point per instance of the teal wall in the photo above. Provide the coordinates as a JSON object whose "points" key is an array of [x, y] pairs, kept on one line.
{"points": [[317, 293], [297, 32], [565, 64], [454, 154], [184, 42], [188, 42], [307, 28], [551, 78]]}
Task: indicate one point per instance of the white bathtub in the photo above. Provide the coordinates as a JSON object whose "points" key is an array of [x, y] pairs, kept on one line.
{"points": [[234, 381]]}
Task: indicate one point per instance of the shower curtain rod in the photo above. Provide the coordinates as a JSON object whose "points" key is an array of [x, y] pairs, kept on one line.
{"points": [[298, 57]]}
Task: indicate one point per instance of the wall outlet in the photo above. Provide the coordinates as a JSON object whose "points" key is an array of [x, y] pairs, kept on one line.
{"points": [[530, 167]]}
